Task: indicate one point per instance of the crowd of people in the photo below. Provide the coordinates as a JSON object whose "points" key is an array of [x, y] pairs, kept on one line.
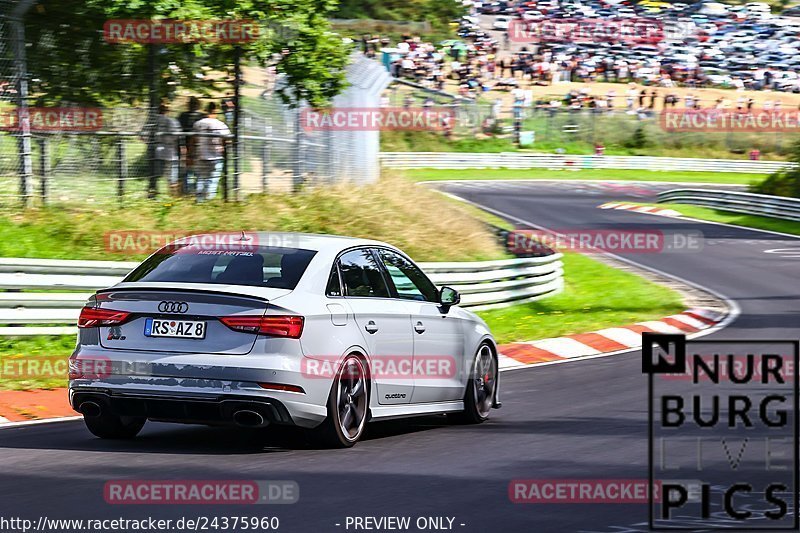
{"points": [[188, 152], [478, 70], [638, 100]]}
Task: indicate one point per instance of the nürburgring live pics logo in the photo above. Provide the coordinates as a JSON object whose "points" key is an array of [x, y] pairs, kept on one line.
{"points": [[723, 414]]}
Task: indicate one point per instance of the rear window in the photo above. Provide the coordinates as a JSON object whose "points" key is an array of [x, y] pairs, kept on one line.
{"points": [[254, 266]]}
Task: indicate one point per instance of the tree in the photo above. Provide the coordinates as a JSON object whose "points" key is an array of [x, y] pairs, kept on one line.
{"points": [[70, 62], [783, 182], [438, 12]]}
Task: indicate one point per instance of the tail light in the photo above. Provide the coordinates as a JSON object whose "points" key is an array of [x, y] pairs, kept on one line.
{"points": [[290, 326], [282, 387], [91, 317]]}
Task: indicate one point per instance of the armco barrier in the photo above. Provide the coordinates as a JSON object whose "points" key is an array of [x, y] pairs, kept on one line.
{"points": [[521, 160], [482, 284], [738, 202]]}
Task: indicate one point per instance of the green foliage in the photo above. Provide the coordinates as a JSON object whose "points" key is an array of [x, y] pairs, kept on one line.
{"points": [[784, 182], [70, 62], [437, 12], [428, 141], [638, 139]]}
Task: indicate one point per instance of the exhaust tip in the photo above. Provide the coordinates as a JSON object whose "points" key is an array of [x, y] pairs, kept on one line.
{"points": [[249, 419], [90, 409]]}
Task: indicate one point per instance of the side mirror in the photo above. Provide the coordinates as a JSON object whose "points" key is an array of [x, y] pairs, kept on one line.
{"points": [[449, 297]]}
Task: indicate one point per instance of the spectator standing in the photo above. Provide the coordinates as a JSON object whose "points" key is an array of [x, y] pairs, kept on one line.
{"points": [[210, 151], [610, 95], [187, 120], [630, 96], [228, 110], [497, 107], [164, 132]]}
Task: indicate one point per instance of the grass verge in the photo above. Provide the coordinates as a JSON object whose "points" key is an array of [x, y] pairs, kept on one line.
{"points": [[34, 362], [738, 219], [596, 296], [429, 174], [426, 225]]}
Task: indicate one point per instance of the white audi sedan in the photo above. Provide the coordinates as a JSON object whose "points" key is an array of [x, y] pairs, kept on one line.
{"points": [[319, 331]]}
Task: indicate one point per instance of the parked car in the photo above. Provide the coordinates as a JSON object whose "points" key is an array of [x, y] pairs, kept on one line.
{"points": [[501, 22]]}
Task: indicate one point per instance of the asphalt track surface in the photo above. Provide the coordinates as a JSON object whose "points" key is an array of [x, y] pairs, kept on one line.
{"points": [[579, 420]]}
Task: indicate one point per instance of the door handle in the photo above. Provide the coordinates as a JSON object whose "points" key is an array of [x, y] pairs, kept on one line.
{"points": [[419, 327], [371, 327]]}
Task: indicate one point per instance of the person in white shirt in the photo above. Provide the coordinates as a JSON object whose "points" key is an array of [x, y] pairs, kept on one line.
{"points": [[519, 96], [209, 153]]}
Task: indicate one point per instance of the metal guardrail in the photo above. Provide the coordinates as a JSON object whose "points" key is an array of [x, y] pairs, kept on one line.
{"points": [[455, 160], [482, 284], [739, 202]]}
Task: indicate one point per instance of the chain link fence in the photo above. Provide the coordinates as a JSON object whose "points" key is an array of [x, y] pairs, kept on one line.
{"points": [[113, 158], [553, 125]]}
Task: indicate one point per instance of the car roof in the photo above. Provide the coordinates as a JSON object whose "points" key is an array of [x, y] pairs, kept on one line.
{"points": [[306, 241]]}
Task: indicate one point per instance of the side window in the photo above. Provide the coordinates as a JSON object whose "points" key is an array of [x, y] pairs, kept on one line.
{"points": [[361, 275], [408, 279], [334, 287]]}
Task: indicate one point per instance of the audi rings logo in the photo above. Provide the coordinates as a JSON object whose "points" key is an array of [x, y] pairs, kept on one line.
{"points": [[173, 307]]}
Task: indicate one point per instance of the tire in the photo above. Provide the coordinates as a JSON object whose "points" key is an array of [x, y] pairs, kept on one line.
{"points": [[481, 387], [108, 426], [348, 406]]}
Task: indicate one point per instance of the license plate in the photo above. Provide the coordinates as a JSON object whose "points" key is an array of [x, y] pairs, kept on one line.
{"points": [[183, 329]]}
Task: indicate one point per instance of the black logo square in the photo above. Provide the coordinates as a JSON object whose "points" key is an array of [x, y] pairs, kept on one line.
{"points": [[673, 344]]}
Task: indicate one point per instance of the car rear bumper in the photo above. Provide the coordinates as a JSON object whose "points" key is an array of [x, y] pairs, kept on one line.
{"points": [[213, 403]]}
